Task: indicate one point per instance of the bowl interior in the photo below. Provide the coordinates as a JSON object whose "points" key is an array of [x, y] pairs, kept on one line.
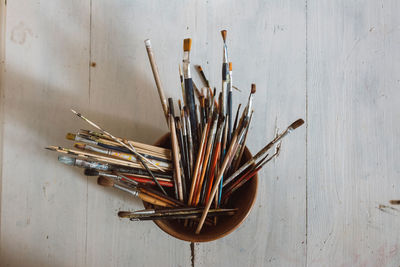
{"points": [[243, 199]]}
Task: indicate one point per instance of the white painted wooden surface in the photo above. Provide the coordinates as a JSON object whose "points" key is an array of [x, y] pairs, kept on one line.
{"points": [[334, 63]]}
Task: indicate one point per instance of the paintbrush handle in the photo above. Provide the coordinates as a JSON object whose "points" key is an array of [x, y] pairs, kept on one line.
{"points": [[229, 154], [230, 116], [157, 78], [153, 200], [192, 112], [157, 195], [175, 150]]}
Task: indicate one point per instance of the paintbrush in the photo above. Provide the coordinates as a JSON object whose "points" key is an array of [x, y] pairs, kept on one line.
{"points": [[210, 143], [217, 150], [228, 158], [168, 213], [137, 145], [197, 166], [189, 92], [108, 182], [130, 147], [165, 157], [203, 76], [119, 155], [108, 167], [250, 174], [157, 78], [250, 162], [225, 74], [236, 118], [175, 149], [135, 180], [230, 102]]}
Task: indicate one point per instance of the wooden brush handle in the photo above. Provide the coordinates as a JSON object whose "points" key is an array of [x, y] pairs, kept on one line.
{"points": [[157, 78], [152, 200]]}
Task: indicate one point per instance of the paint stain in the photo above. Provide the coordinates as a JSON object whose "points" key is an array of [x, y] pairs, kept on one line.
{"points": [[192, 252], [20, 33], [388, 209], [371, 29], [395, 202], [93, 64]]}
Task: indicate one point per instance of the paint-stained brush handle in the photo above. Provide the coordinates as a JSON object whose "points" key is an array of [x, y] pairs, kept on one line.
{"points": [[153, 200]]}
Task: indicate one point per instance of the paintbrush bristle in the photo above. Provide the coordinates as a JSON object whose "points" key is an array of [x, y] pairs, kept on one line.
{"points": [[253, 88], [91, 172], [79, 145], [199, 68], [70, 136], [223, 33], [66, 160], [187, 44], [395, 202], [230, 66], [124, 214], [297, 124], [105, 181]]}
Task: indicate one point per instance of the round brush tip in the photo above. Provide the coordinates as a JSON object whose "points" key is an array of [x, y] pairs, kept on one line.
{"points": [[223, 33], [187, 44], [199, 68], [104, 181], [253, 88], [297, 123]]}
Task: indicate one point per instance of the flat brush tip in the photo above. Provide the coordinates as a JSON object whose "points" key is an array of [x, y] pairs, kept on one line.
{"points": [[91, 172], [70, 136], [187, 44], [124, 214], [104, 181], [223, 33], [297, 124], [79, 145], [253, 88]]}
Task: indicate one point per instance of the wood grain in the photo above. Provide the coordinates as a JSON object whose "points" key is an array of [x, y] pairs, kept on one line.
{"points": [[354, 125], [323, 202]]}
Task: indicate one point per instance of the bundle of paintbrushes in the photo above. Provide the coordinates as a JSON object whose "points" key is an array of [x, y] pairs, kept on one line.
{"points": [[204, 167]]}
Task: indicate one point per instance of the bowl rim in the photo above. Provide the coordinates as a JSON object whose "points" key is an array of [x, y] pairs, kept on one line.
{"points": [[206, 238]]}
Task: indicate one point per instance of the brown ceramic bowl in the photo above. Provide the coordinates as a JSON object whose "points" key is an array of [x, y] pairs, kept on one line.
{"points": [[243, 199]]}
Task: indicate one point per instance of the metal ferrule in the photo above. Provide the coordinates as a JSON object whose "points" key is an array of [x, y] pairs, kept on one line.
{"points": [[130, 191], [225, 54], [85, 140], [186, 65]]}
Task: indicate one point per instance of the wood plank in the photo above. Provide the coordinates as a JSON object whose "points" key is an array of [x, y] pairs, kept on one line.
{"points": [[266, 42], [353, 146], [124, 100], [43, 203]]}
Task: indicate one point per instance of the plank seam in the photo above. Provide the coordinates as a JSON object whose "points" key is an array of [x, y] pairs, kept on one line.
{"points": [[306, 89]]}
